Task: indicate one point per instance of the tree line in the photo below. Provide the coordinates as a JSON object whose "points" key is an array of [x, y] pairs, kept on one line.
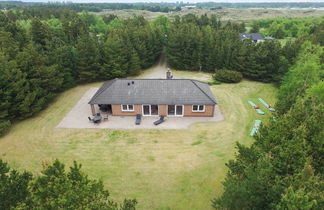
{"points": [[209, 44], [90, 7], [283, 168], [43, 52], [55, 188]]}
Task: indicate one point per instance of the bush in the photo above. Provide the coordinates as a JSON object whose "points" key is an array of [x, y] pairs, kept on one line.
{"points": [[228, 76], [4, 125]]}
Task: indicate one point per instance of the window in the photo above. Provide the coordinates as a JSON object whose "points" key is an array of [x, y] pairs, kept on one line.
{"points": [[154, 110], [127, 107], [171, 110], [175, 110], [149, 110], [198, 108]]}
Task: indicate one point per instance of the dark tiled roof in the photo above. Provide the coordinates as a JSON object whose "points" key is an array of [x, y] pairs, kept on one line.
{"points": [[153, 91], [253, 36]]}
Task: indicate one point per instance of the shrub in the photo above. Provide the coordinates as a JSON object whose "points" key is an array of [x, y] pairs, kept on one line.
{"points": [[4, 125], [228, 76]]}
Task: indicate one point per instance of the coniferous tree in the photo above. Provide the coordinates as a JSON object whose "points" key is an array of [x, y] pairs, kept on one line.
{"points": [[135, 64], [13, 186], [57, 188], [88, 58], [286, 156], [303, 74], [114, 58], [40, 32]]}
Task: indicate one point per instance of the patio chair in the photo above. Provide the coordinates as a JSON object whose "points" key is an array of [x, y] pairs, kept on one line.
{"points": [[105, 117], [138, 119], [159, 121]]}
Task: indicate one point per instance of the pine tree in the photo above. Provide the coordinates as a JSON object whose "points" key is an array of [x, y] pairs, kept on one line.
{"points": [[114, 58], [134, 66], [57, 188], [13, 186], [295, 200], [301, 76], [40, 32], [88, 59]]}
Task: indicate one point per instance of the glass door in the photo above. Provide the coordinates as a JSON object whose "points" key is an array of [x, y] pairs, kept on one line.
{"points": [[175, 110], [146, 110], [149, 110], [171, 110], [179, 110], [154, 110]]}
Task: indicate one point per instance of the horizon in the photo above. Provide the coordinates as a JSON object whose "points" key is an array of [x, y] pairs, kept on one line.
{"points": [[174, 1]]}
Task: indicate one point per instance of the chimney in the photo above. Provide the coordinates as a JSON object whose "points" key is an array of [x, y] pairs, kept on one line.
{"points": [[169, 74]]}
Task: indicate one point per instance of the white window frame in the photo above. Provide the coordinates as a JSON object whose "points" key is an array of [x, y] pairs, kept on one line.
{"points": [[128, 109], [192, 109]]}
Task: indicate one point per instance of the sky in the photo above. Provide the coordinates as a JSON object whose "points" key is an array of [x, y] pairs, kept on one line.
{"points": [[191, 1]]}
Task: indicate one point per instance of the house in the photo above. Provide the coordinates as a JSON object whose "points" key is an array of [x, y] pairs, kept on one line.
{"points": [[188, 7], [153, 97], [255, 37]]}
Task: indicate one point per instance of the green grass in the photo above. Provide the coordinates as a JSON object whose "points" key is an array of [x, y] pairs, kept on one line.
{"points": [[162, 169]]}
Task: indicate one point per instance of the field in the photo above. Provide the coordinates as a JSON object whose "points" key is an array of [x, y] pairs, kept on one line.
{"points": [[162, 169], [239, 15]]}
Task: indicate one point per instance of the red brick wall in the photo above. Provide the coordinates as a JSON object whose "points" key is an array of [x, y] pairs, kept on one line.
{"points": [[117, 111], [209, 111]]}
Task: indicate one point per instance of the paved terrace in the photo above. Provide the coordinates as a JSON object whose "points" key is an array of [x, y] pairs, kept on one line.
{"points": [[78, 118]]}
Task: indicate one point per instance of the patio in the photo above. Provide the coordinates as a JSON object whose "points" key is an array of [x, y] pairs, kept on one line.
{"points": [[78, 118]]}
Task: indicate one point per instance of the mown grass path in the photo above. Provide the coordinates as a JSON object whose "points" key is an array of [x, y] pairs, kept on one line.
{"points": [[162, 169]]}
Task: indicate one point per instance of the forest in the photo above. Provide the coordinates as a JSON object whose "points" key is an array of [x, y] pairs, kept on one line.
{"points": [[44, 51]]}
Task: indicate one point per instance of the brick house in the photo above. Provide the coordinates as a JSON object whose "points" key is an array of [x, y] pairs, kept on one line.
{"points": [[153, 97]]}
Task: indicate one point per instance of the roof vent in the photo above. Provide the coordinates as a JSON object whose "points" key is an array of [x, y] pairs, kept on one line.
{"points": [[133, 82], [128, 83]]}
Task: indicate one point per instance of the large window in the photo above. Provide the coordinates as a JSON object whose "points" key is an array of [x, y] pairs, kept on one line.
{"points": [[198, 108], [127, 107], [149, 110], [175, 110]]}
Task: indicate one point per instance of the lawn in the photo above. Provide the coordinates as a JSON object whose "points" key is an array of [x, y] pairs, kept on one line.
{"points": [[162, 169]]}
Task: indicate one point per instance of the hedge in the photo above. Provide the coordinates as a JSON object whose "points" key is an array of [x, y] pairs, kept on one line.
{"points": [[228, 76]]}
